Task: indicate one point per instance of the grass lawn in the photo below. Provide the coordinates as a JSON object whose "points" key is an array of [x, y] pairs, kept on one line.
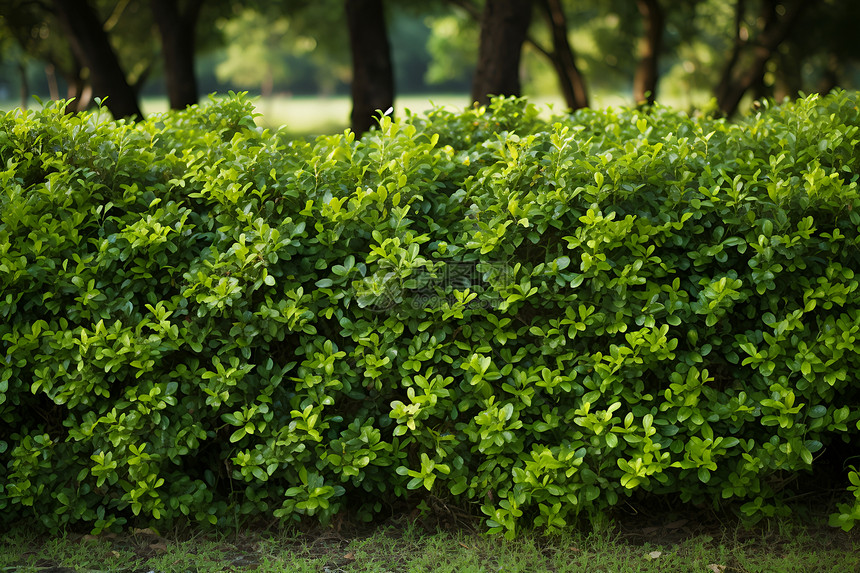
{"points": [[326, 115], [673, 542], [308, 115], [316, 115]]}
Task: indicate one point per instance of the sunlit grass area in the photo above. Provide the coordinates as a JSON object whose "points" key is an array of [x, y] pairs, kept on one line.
{"points": [[316, 115], [308, 115]]}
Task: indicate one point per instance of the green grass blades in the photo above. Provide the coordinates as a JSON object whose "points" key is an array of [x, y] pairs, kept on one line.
{"points": [[682, 544]]}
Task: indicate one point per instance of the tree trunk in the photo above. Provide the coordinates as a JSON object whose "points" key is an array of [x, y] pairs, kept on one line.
{"points": [[268, 84], [769, 16], [76, 88], [504, 27], [372, 72], [789, 76], [563, 59], [736, 82], [51, 76], [741, 37], [647, 74], [25, 85], [91, 46], [177, 31], [562, 56], [830, 76]]}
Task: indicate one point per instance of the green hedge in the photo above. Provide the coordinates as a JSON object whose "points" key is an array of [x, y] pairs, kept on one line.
{"points": [[532, 319]]}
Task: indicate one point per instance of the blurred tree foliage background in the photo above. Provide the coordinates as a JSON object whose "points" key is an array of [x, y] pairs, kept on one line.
{"points": [[695, 53]]}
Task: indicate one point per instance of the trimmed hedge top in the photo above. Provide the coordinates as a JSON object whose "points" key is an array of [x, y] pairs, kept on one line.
{"points": [[530, 319]]}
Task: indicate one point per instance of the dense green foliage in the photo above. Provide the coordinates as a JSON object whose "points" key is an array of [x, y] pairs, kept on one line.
{"points": [[534, 320]]}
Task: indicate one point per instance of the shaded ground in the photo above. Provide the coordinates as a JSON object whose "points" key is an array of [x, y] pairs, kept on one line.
{"points": [[637, 541]]}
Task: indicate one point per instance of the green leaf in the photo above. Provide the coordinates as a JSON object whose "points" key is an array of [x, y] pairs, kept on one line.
{"points": [[458, 486], [259, 473], [817, 411]]}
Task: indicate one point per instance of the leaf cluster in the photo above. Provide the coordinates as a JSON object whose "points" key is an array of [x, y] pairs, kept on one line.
{"points": [[533, 320]]}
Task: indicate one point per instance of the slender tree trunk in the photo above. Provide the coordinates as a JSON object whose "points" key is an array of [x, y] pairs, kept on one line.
{"points": [[769, 16], [789, 78], [647, 74], [372, 72], [177, 29], [504, 27], [25, 85], [830, 75], [74, 89], [51, 76], [563, 59], [77, 89], [740, 39], [86, 98], [92, 47], [268, 84], [736, 82]]}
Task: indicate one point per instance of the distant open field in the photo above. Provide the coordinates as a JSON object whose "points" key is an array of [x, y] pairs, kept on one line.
{"points": [[319, 115], [305, 115], [309, 115]]}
